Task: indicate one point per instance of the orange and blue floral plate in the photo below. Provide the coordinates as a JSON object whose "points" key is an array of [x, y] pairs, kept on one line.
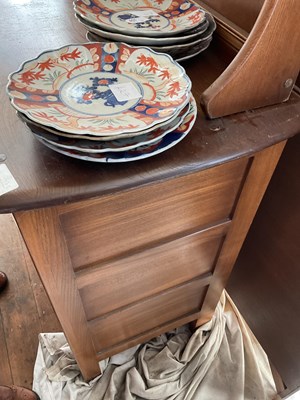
{"points": [[100, 146], [147, 40], [137, 153], [142, 17], [100, 89]]}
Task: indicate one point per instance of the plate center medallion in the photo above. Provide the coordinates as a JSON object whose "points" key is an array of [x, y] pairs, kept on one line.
{"points": [[144, 19], [98, 93]]}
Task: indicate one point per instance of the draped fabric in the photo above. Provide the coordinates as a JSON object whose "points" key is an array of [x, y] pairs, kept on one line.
{"points": [[221, 360]]}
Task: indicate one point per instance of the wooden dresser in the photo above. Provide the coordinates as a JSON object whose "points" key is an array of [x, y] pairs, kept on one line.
{"points": [[131, 250]]}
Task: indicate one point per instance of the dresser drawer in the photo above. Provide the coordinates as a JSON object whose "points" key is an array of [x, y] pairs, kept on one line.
{"points": [[115, 285], [139, 319], [114, 225]]}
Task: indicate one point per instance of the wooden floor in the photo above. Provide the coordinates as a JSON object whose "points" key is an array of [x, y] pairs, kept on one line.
{"points": [[25, 310]]}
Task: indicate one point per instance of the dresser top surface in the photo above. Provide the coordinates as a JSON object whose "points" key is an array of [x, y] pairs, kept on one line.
{"points": [[47, 178]]}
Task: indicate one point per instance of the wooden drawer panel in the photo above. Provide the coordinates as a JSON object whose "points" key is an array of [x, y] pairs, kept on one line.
{"points": [[112, 225], [142, 317], [125, 281]]}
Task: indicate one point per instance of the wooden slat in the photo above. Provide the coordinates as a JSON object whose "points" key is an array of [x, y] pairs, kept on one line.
{"points": [[266, 278], [138, 319], [257, 180], [150, 214], [45, 241], [5, 370], [48, 318], [152, 333], [118, 284]]}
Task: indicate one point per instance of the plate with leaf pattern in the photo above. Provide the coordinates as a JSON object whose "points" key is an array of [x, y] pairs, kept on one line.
{"points": [[157, 18], [184, 37], [118, 144], [141, 152], [100, 89]]}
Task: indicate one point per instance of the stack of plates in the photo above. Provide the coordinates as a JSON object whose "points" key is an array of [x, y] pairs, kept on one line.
{"points": [[177, 27], [104, 102]]}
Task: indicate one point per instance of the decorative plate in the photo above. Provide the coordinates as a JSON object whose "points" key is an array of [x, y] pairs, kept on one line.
{"points": [[125, 134], [141, 17], [175, 51], [168, 141], [150, 41], [100, 89], [192, 51], [121, 144]]}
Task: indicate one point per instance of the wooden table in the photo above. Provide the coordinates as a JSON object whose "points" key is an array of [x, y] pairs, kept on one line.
{"points": [[129, 251]]}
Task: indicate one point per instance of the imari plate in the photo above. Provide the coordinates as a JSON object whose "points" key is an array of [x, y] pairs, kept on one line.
{"points": [[175, 51], [100, 89], [141, 17], [192, 52], [120, 144], [141, 152], [146, 40]]}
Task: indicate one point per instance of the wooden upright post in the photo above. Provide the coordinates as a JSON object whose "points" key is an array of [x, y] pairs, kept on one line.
{"points": [[265, 69]]}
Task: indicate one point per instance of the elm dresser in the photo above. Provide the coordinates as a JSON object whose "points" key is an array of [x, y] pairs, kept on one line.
{"points": [[128, 251]]}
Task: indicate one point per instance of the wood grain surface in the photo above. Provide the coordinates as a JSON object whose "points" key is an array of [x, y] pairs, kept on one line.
{"points": [[46, 244], [123, 282], [63, 236], [25, 309], [47, 178], [243, 13], [96, 325], [260, 173], [266, 279], [255, 78], [145, 216], [158, 311]]}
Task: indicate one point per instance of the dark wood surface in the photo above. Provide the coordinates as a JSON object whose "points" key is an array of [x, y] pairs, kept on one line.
{"points": [[265, 282], [47, 178]]}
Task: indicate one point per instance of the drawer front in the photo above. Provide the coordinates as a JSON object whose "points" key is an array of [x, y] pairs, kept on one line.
{"points": [[114, 225], [142, 317], [115, 285]]}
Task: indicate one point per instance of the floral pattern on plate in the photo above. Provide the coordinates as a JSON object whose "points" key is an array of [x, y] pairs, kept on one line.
{"points": [[72, 89], [141, 17], [120, 144], [124, 134], [141, 152], [175, 51], [204, 27]]}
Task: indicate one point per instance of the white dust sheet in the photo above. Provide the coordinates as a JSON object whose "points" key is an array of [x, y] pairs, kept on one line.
{"points": [[221, 360]]}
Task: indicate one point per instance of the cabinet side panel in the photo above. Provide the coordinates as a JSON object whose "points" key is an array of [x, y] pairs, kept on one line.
{"points": [[113, 226], [259, 175]]}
